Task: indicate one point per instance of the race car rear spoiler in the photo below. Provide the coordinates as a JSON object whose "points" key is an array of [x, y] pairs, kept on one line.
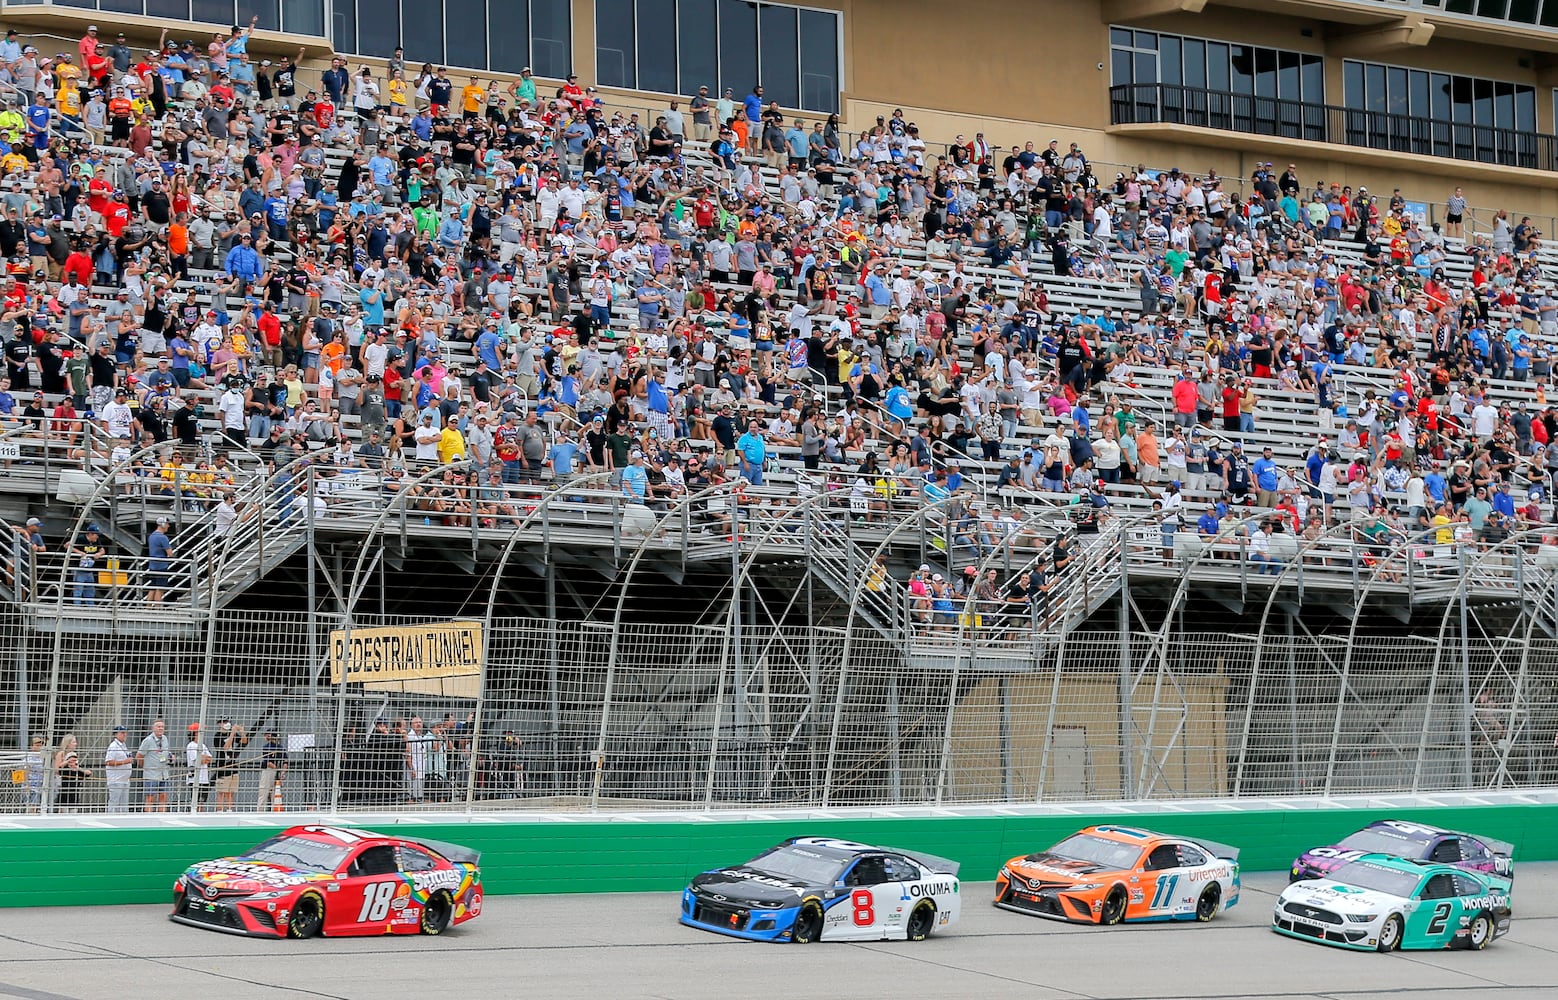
{"points": [[454, 852], [941, 866], [1220, 850]]}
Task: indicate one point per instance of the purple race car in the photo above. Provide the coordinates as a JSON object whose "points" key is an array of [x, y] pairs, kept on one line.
{"points": [[1413, 841]]}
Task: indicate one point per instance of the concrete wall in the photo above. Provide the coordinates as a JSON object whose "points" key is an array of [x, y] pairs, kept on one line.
{"points": [[56, 865]]}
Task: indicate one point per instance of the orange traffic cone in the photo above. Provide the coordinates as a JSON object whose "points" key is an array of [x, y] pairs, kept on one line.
{"points": [[275, 799]]}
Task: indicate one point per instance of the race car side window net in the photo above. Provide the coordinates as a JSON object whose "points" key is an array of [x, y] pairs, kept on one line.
{"points": [[1162, 856], [378, 860], [1441, 886], [868, 871]]}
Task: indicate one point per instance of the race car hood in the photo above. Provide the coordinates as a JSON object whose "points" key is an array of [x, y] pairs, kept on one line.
{"points": [[743, 884], [1338, 898], [1052, 868], [1326, 859], [238, 876]]}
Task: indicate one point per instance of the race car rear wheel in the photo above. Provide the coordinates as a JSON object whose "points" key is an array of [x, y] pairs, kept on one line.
{"points": [[1390, 933], [1480, 932], [1114, 907], [308, 917], [1209, 903], [808, 923], [437, 913], [922, 921]]}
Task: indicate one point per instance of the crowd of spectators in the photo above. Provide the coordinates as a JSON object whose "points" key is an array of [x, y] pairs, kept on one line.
{"points": [[251, 263]]}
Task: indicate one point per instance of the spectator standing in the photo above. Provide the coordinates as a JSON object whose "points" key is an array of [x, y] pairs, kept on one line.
{"points": [[118, 770], [273, 769], [197, 760], [155, 760]]}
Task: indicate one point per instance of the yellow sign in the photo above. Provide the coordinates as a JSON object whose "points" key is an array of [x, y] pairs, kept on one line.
{"points": [[414, 659]]}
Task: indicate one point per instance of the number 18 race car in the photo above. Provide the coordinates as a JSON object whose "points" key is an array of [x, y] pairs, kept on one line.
{"points": [[810, 888], [312, 880], [1412, 841], [1114, 874], [1382, 903]]}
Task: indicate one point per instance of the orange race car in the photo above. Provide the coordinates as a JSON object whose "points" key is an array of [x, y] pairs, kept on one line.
{"points": [[1110, 874]]}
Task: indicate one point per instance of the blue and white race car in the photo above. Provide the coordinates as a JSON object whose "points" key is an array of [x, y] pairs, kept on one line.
{"points": [[814, 888]]}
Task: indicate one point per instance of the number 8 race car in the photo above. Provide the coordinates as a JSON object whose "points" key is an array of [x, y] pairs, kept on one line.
{"points": [[312, 880], [810, 888]]}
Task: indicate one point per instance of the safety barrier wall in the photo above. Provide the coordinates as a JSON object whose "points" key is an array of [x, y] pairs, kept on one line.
{"points": [[57, 865]]}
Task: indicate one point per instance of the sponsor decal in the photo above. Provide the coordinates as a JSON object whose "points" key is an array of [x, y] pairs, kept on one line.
{"points": [[1208, 873], [473, 907], [1337, 853], [448, 878], [930, 888], [1493, 901], [223, 871], [757, 879], [1136, 896]]}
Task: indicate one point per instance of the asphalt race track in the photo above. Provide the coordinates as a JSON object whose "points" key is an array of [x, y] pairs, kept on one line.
{"points": [[630, 946]]}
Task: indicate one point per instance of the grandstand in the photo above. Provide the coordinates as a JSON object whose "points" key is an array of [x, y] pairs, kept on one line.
{"points": [[870, 515]]}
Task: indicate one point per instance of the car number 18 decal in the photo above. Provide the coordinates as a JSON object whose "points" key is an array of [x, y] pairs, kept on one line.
{"points": [[376, 902], [863, 905]]}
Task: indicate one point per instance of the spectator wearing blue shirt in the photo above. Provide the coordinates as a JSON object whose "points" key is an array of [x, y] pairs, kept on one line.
{"points": [[1503, 502], [451, 232], [371, 298], [752, 104], [635, 481], [422, 126], [276, 216], [795, 141], [752, 452], [1435, 484], [1206, 524], [1265, 471], [242, 261], [877, 290]]}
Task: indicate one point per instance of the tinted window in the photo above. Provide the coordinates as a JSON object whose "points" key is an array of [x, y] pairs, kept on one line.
{"points": [[1465, 885], [378, 860], [343, 26], [819, 61], [466, 32], [697, 51], [506, 22], [1447, 851], [1441, 886], [1163, 856], [551, 41], [780, 63], [424, 34], [614, 51], [657, 46], [1190, 857], [903, 870], [303, 17], [379, 34], [248, 8], [868, 871], [738, 46]]}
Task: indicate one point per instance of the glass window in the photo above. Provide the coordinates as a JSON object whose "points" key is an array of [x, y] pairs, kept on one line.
{"points": [[117, 6], [1146, 40], [1482, 102], [1312, 69], [213, 12], [1373, 87], [1492, 8], [1170, 70], [656, 20], [1120, 36], [1194, 60], [697, 43], [270, 14], [1460, 99], [465, 31], [1503, 104], [738, 46], [423, 33], [779, 60], [1396, 91], [820, 83], [1439, 97], [506, 23], [614, 49], [1265, 72], [343, 26], [551, 38], [1217, 63], [1287, 76], [84, 3], [169, 8], [378, 35], [1120, 74], [303, 17], [1352, 86], [1242, 59], [1146, 67], [1550, 13], [1525, 109], [1523, 11], [1460, 6]]}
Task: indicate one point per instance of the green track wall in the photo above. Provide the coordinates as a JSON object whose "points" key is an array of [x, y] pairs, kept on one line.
{"points": [[71, 867]]}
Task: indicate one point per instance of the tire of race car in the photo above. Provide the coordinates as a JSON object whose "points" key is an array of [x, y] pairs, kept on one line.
{"points": [[1209, 903], [311, 909], [436, 914], [808, 923], [1480, 932], [1114, 907], [1390, 933], [921, 922]]}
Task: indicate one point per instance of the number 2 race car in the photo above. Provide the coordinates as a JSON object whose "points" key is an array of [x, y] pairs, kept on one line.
{"points": [[1412, 841], [1380, 902], [810, 888], [1110, 874], [312, 880]]}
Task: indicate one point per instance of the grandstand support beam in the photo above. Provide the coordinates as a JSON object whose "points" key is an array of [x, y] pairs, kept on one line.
{"points": [[1126, 11], [1127, 771], [1412, 32], [1465, 637]]}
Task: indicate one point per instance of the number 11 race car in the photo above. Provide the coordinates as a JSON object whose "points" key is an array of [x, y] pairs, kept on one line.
{"points": [[1115, 874], [811, 888], [312, 880]]}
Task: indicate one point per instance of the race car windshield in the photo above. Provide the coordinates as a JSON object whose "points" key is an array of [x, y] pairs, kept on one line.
{"points": [[297, 852], [1364, 875], [799, 866], [1098, 851], [1375, 842]]}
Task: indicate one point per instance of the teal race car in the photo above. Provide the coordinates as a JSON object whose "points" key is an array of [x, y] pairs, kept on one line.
{"points": [[1381, 903]]}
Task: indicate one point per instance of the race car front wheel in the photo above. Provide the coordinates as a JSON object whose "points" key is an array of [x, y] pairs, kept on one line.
{"points": [[1480, 933], [1114, 907], [808, 924], [308, 917], [436, 914], [1390, 933], [921, 922], [1206, 906]]}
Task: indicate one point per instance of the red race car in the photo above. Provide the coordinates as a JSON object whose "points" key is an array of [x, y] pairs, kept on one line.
{"points": [[312, 880]]}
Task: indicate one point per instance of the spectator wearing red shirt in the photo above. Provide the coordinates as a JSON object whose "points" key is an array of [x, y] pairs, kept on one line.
{"points": [[116, 215], [79, 263], [269, 325]]}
